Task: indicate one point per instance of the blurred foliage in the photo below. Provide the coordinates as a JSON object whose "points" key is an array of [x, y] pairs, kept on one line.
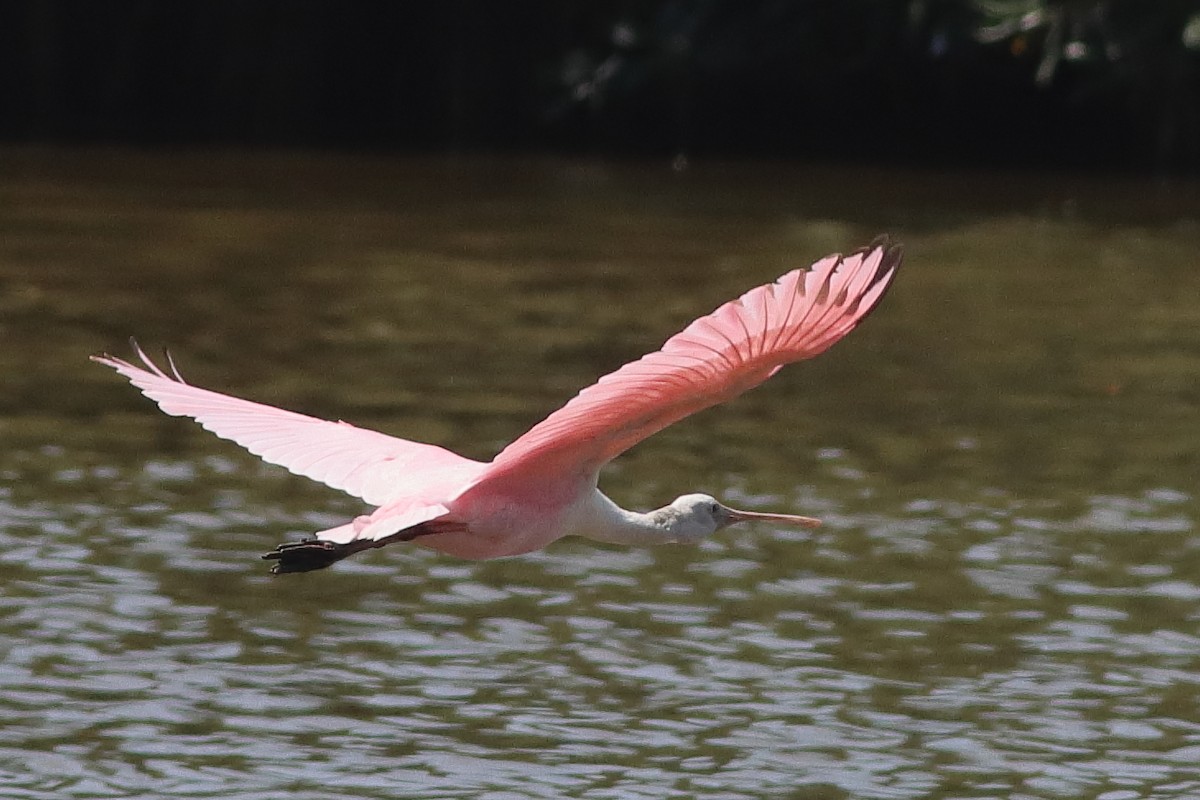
{"points": [[1146, 53], [1117, 63], [1110, 40], [1064, 82]]}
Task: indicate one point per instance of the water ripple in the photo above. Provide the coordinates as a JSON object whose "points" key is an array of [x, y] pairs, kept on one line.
{"points": [[1008, 661]]}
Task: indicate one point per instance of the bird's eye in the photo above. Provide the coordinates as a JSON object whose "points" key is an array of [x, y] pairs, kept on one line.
{"points": [[714, 508]]}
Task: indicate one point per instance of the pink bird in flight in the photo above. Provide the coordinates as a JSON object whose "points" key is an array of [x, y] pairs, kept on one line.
{"points": [[543, 486]]}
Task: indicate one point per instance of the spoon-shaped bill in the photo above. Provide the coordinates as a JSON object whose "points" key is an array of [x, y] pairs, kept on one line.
{"points": [[755, 516]]}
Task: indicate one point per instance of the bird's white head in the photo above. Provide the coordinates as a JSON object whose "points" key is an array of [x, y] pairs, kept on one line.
{"points": [[694, 516]]}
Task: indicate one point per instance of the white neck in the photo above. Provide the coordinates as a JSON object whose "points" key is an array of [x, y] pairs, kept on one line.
{"points": [[605, 521]]}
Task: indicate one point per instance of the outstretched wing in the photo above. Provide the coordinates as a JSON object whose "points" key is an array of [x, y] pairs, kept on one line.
{"points": [[717, 357], [376, 467]]}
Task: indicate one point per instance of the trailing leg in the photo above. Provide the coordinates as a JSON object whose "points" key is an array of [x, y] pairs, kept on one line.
{"points": [[310, 554]]}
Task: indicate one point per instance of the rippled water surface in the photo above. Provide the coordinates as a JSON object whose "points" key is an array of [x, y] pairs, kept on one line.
{"points": [[1004, 600]]}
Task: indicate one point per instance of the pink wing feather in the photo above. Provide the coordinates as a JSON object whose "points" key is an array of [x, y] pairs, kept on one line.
{"points": [[378, 468], [714, 359]]}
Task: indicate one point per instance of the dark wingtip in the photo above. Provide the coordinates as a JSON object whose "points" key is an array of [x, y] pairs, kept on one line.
{"points": [[892, 256]]}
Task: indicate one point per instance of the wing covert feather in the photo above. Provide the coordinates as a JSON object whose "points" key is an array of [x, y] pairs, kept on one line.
{"points": [[712, 360], [373, 466]]}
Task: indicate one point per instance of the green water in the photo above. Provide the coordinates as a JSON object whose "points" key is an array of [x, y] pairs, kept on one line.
{"points": [[1004, 600]]}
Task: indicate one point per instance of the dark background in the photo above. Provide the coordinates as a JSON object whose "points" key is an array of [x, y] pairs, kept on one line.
{"points": [[1092, 84]]}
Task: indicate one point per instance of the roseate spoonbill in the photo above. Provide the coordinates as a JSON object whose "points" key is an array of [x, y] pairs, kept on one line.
{"points": [[543, 485]]}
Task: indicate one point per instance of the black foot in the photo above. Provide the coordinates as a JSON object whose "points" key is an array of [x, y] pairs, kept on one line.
{"points": [[308, 555], [311, 554]]}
